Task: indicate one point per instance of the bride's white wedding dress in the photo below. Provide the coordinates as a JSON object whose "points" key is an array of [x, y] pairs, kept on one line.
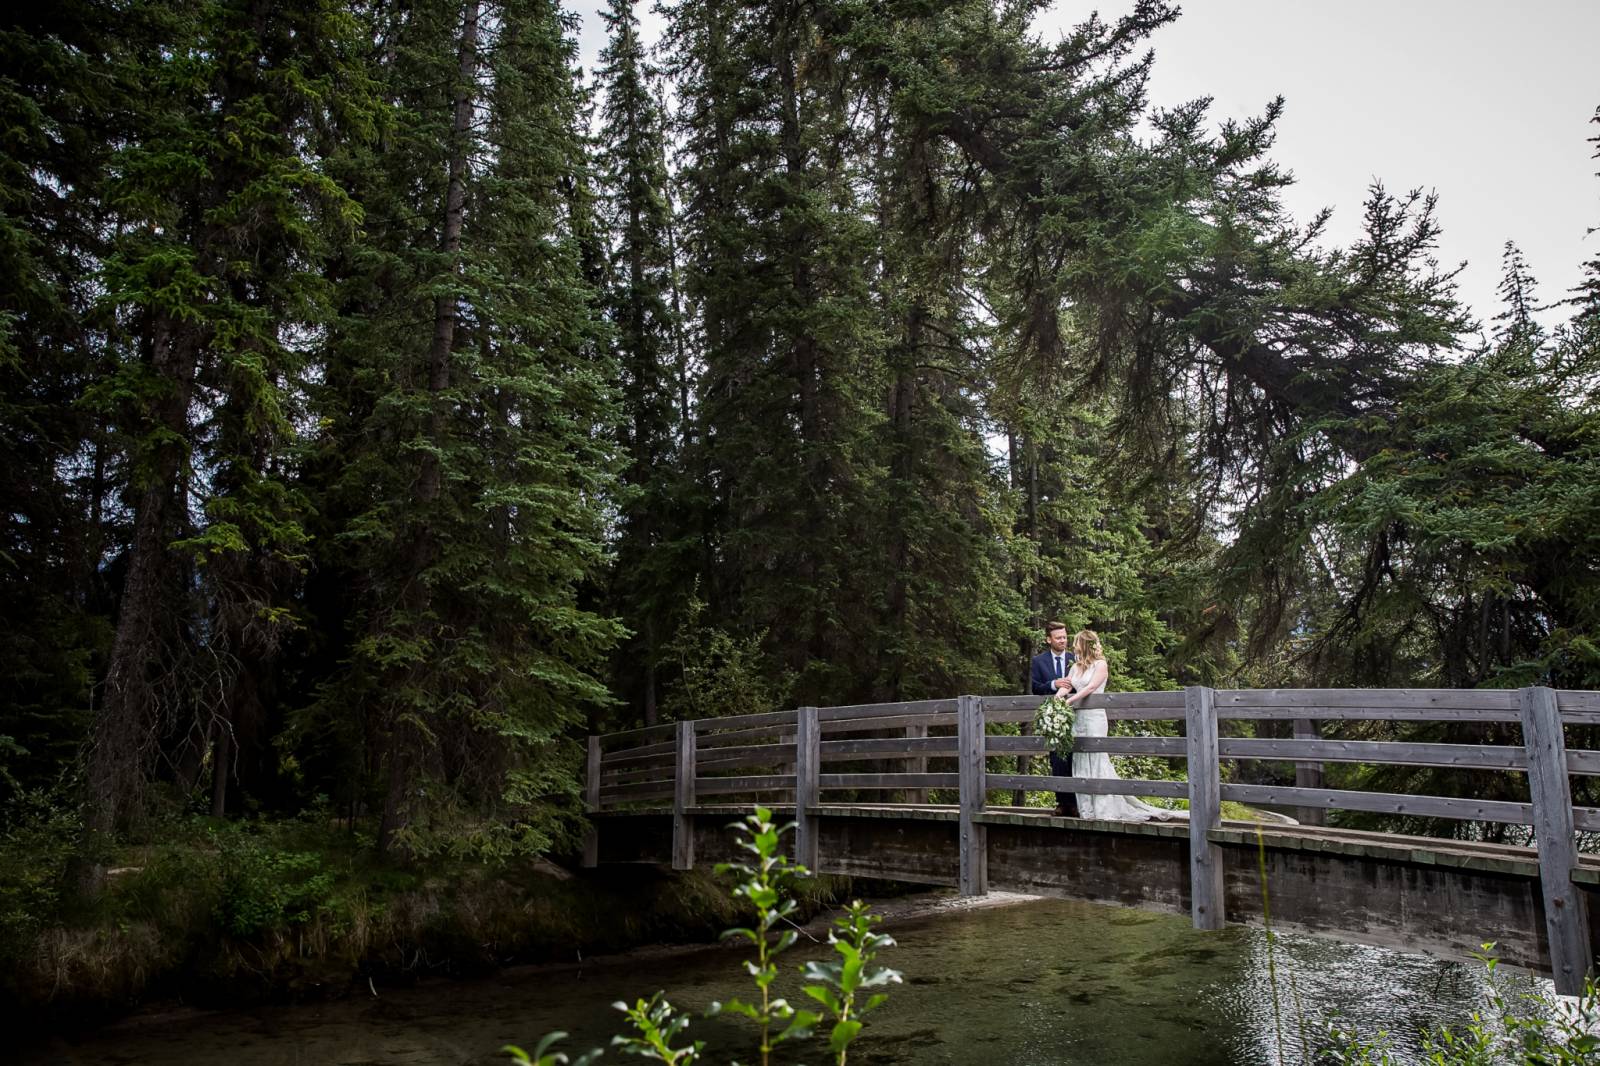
{"points": [[1091, 722]]}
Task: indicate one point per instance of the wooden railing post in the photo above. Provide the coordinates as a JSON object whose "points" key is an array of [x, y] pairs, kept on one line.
{"points": [[1019, 797], [683, 772], [591, 803], [1205, 808], [1566, 922], [807, 771], [1308, 774], [917, 764], [974, 843]]}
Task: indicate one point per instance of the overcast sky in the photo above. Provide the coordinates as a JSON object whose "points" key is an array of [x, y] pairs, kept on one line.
{"points": [[1485, 102]]}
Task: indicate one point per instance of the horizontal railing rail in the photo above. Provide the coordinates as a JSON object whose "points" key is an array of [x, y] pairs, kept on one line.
{"points": [[937, 752]]}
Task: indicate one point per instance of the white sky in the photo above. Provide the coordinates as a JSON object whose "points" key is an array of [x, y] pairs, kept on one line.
{"points": [[1486, 102]]}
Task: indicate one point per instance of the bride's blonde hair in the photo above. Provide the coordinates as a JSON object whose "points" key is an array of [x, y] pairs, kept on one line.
{"points": [[1086, 646]]}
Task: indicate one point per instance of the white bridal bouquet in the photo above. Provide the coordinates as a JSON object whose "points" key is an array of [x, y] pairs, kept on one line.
{"points": [[1053, 721]]}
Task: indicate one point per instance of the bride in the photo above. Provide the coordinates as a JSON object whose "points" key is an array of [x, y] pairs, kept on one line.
{"points": [[1088, 675]]}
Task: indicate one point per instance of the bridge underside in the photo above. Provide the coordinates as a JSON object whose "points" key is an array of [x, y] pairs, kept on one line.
{"points": [[1413, 893]]}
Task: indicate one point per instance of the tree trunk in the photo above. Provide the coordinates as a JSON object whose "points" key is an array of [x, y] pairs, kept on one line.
{"points": [[222, 759], [126, 723], [429, 483]]}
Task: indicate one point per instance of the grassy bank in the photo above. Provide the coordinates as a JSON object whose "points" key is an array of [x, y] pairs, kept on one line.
{"points": [[223, 914]]}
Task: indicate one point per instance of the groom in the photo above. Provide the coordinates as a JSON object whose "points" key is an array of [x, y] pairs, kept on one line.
{"points": [[1047, 677]]}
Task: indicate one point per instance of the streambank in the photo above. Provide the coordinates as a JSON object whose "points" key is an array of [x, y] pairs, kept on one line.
{"points": [[162, 944]]}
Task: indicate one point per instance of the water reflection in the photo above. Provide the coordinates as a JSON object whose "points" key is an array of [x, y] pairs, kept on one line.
{"points": [[1037, 984]]}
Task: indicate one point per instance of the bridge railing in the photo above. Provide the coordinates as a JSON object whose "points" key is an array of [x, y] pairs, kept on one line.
{"points": [[909, 753]]}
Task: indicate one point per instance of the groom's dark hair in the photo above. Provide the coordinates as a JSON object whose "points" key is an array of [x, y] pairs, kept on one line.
{"points": [[1051, 627]]}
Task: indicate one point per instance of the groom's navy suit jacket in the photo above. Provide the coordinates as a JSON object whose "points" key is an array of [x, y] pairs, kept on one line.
{"points": [[1044, 671]]}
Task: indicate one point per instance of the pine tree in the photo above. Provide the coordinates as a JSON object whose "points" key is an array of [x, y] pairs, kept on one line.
{"points": [[467, 469], [57, 102], [648, 576], [776, 247], [220, 214]]}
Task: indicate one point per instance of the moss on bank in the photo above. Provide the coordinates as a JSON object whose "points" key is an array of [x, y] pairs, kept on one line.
{"points": [[223, 915]]}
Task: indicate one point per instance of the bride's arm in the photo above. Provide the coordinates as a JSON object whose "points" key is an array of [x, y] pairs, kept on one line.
{"points": [[1097, 677]]}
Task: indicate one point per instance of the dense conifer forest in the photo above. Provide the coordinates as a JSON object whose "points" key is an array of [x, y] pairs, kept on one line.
{"points": [[385, 403]]}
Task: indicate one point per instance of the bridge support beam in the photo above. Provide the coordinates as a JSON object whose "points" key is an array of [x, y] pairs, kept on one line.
{"points": [[1205, 808], [807, 767], [591, 804], [974, 839], [683, 799], [1566, 921]]}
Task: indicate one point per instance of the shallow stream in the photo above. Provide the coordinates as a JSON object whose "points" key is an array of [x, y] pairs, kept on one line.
{"points": [[1033, 983]]}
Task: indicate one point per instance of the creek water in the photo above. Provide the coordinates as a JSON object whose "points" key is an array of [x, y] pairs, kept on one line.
{"points": [[1031, 983]]}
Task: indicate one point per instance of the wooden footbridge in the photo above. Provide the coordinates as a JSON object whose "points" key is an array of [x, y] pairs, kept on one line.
{"points": [[945, 782]]}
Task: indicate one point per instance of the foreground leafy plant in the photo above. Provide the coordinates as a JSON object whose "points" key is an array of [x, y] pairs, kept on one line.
{"points": [[657, 1022], [838, 982], [766, 884], [543, 1056]]}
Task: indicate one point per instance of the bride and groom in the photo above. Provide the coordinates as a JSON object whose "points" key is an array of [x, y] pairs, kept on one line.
{"points": [[1076, 675]]}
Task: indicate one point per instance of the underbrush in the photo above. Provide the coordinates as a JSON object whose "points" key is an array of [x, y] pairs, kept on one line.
{"points": [[223, 913]]}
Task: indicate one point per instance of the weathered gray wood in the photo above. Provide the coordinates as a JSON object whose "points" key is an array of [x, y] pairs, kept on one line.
{"points": [[683, 796], [1468, 810], [1583, 762], [591, 803], [974, 876], [1024, 758], [883, 710], [746, 721], [591, 776], [895, 781], [1114, 714], [1099, 786], [1452, 756], [1030, 745], [1566, 918], [917, 740], [724, 786], [749, 755], [1106, 701], [612, 778], [891, 746], [629, 793], [1307, 774], [1578, 702], [1586, 818], [1205, 809], [1368, 714], [807, 774], [888, 721], [1169, 747], [1420, 698], [644, 754], [777, 734]]}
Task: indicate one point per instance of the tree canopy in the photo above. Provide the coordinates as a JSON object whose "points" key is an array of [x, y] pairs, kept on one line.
{"points": [[385, 402]]}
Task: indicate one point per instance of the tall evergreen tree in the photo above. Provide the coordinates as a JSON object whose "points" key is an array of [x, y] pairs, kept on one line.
{"points": [[220, 216], [776, 247], [468, 466], [649, 574], [58, 100]]}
